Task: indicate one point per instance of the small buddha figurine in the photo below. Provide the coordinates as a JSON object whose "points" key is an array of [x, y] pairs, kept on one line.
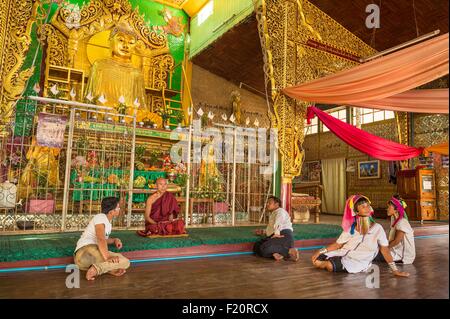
{"points": [[116, 78], [236, 103], [208, 168], [42, 162]]}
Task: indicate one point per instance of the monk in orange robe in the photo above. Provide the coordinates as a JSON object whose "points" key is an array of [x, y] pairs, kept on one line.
{"points": [[161, 212]]}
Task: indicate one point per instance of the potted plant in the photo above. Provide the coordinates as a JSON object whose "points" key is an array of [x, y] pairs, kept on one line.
{"points": [[181, 180], [179, 118], [139, 152], [165, 114], [212, 189], [220, 204]]}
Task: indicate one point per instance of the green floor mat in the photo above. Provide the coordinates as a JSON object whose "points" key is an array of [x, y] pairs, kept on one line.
{"points": [[42, 246]]}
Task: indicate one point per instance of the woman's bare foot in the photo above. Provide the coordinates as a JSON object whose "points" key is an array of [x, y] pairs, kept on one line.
{"points": [[118, 272], [91, 273], [277, 256], [294, 254]]}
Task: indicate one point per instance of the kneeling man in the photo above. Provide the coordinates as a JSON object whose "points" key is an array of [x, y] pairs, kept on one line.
{"points": [[161, 211], [278, 242]]}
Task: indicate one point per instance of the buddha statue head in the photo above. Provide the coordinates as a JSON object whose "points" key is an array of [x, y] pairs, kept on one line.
{"points": [[123, 41]]}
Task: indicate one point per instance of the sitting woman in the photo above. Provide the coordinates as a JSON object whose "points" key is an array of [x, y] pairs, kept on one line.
{"points": [[401, 234], [358, 244]]}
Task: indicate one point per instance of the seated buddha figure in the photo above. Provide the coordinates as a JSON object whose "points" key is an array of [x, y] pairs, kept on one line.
{"points": [[42, 170], [116, 78], [208, 168]]}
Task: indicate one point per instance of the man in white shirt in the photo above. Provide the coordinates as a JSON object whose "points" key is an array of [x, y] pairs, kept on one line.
{"points": [[358, 245], [278, 242], [92, 253]]}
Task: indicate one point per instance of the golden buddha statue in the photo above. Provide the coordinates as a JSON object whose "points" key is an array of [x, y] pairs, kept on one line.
{"points": [[42, 163], [236, 103], [116, 76], [117, 79], [208, 168]]}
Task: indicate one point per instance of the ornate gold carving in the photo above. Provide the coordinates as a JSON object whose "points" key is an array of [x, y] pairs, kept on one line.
{"points": [[17, 19], [430, 129], [304, 22], [285, 26], [65, 40], [402, 122], [57, 45]]}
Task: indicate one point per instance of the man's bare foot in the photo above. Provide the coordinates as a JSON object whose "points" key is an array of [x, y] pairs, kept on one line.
{"points": [[294, 254], [91, 273], [323, 264], [277, 256], [118, 272]]}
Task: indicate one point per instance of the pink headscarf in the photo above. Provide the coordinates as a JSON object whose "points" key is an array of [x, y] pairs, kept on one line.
{"points": [[400, 206], [350, 216]]}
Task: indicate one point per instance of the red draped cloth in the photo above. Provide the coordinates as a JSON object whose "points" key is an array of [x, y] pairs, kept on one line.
{"points": [[161, 210], [367, 143]]}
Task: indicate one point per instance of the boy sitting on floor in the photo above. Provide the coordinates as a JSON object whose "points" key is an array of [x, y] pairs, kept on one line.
{"points": [[279, 240], [357, 246], [92, 253]]}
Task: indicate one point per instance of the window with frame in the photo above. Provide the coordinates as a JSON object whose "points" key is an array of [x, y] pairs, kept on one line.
{"points": [[205, 12], [312, 128], [340, 114], [373, 115]]}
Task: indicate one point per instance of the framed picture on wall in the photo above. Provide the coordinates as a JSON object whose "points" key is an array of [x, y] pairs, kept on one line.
{"points": [[310, 172], [369, 169]]}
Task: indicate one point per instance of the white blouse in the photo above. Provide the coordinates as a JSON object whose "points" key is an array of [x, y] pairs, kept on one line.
{"points": [[405, 249], [359, 250]]}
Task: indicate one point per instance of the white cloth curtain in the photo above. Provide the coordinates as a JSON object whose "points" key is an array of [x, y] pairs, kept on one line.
{"points": [[334, 186]]}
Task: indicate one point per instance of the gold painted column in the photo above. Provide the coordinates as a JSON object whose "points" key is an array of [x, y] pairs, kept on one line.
{"points": [[300, 43], [187, 81], [16, 20], [402, 121]]}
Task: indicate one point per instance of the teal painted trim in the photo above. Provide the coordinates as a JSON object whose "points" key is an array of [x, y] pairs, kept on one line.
{"points": [[431, 236], [22, 269], [6, 270]]}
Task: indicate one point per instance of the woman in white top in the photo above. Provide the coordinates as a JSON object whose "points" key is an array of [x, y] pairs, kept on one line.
{"points": [[359, 243], [401, 234]]}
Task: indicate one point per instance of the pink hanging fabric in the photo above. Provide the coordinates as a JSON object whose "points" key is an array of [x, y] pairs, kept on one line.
{"points": [[416, 101], [387, 82], [367, 143]]}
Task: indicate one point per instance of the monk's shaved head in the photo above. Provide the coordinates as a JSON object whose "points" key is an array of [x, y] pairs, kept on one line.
{"points": [[160, 180], [161, 185]]}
